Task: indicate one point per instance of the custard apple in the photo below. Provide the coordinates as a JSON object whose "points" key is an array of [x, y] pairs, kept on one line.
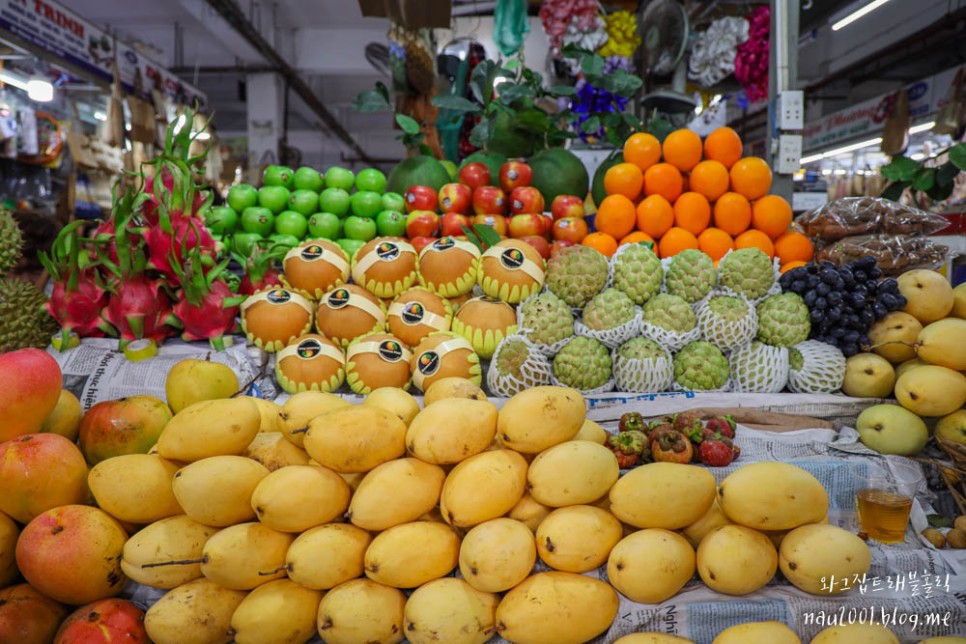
{"points": [[637, 272], [759, 368], [691, 275], [608, 309], [642, 365], [815, 368], [748, 272], [576, 274], [583, 363], [670, 312], [24, 322], [11, 241], [783, 320], [546, 319], [517, 365], [701, 366], [728, 322]]}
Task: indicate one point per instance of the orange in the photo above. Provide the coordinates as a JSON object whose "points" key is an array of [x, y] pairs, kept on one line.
{"points": [[682, 149], [655, 216], [663, 179], [794, 247], [616, 216], [732, 213], [676, 240], [637, 236], [723, 145], [601, 242], [692, 212], [709, 178], [624, 179], [751, 177], [755, 239], [715, 242], [790, 265], [642, 149], [771, 215]]}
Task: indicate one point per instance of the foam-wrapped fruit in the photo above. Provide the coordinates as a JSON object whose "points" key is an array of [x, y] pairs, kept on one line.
{"points": [[377, 360], [310, 363], [484, 322], [448, 266], [315, 267], [348, 312], [273, 317], [385, 266], [416, 313], [511, 270], [442, 355]]}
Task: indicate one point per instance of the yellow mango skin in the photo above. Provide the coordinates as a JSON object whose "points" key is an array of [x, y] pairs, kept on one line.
{"points": [[663, 495], [210, 428], [412, 554], [572, 473], [303, 407], [355, 439], [327, 555], [452, 387], [943, 343], [813, 552], [362, 610], [413, 486], [279, 612], [931, 390], [540, 417], [856, 634], [450, 610], [197, 612], [736, 560], [239, 556], [273, 450], [394, 400], [651, 565], [483, 487], [178, 538], [530, 512], [299, 497], [577, 538], [591, 431], [773, 496], [713, 518], [217, 491], [758, 633], [135, 487], [269, 411], [652, 638], [556, 608], [497, 555], [451, 430]]}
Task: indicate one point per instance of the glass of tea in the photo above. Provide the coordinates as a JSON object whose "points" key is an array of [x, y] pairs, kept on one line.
{"points": [[884, 501]]}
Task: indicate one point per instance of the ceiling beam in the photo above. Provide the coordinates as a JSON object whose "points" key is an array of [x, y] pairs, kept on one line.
{"points": [[235, 17]]}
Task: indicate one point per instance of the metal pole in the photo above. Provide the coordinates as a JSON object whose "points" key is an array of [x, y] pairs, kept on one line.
{"points": [[782, 76]]}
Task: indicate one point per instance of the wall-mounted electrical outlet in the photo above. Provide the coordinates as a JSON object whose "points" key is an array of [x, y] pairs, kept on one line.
{"points": [[791, 110], [789, 155]]}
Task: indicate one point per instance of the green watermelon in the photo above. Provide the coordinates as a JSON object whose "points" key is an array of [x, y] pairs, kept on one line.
{"points": [[557, 171], [597, 190]]}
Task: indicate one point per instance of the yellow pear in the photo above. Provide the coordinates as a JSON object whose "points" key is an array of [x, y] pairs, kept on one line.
{"points": [[298, 410], [66, 417], [279, 612], [245, 556], [193, 380], [868, 375]]}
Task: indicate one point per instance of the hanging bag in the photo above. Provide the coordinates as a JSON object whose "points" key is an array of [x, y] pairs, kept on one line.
{"points": [[952, 116], [895, 134]]}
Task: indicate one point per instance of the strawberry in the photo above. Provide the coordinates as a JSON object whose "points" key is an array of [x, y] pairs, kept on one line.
{"points": [[631, 421], [628, 447], [716, 453], [724, 425], [672, 447]]}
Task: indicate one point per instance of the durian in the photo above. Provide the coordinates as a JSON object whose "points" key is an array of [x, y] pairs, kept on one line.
{"points": [[23, 320]]}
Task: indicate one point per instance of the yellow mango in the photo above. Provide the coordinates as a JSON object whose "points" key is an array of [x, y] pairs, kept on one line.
{"points": [[651, 565], [273, 450], [135, 487], [299, 497], [196, 612], [736, 560], [663, 495], [483, 487], [355, 439], [210, 428], [773, 496], [572, 473], [540, 417], [175, 539], [245, 556], [327, 555], [811, 553], [452, 430], [279, 612], [450, 610], [497, 555], [399, 491], [577, 538], [362, 610], [217, 491], [411, 554]]}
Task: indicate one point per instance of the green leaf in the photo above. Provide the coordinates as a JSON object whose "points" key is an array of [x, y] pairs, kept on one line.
{"points": [[510, 93], [591, 125], [940, 192], [563, 90], [925, 179], [487, 235], [458, 103], [614, 137], [900, 169], [612, 119], [512, 65], [533, 120], [370, 101], [946, 174], [592, 66], [480, 134], [939, 521], [483, 75], [957, 155], [893, 191], [407, 123], [425, 149], [660, 128]]}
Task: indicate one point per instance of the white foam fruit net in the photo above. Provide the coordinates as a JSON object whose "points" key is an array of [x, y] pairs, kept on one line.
{"points": [[534, 372], [648, 375], [774, 289], [758, 368], [612, 338], [822, 370], [670, 340], [603, 389], [549, 350], [728, 335]]}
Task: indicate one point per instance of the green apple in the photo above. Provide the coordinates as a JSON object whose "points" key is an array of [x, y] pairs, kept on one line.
{"points": [[394, 201], [304, 201], [451, 168], [275, 198], [221, 220], [258, 220], [391, 223], [289, 222], [366, 203], [350, 246], [868, 375], [338, 177], [308, 179], [242, 196], [371, 179], [952, 427], [891, 429], [335, 200], [278, 175], [361, 228], [243, 243], [325, 225], [285, 240]]}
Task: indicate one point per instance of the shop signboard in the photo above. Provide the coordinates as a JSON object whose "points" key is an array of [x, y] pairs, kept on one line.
{"points": [[52, 29]]}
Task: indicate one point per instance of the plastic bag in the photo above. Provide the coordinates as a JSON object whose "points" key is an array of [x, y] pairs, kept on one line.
{"points": [[893, 254], [867, 216]]}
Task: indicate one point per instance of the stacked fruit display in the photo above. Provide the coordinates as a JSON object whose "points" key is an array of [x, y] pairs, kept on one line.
{"points": [[688, 193], [682, 438]]}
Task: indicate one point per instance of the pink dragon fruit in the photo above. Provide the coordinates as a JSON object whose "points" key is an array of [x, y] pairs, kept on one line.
{"points": [[140, 309], [260, 268], [208, 307], [170, 240]]}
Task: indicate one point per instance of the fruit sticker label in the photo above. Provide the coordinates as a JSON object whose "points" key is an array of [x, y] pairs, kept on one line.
{"points": [[342, 297], [311, 349], [389, 350], [278, 297], [428, 362], [384, 252], [448, 243], [338, 299], [387, 251], [318, 253], [514, 259], [415, 314], [443, 244]]}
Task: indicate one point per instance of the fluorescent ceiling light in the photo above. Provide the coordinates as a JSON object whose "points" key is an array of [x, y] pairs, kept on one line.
{"points": [[37, 89], [858, 13], [100, 116], [13, 81], [842, 150], [925, 127]]}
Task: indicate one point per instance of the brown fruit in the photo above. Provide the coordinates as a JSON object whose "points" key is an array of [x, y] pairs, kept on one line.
{"points": [[28, 616], [956, 538], [960, 522], [935, 537]]}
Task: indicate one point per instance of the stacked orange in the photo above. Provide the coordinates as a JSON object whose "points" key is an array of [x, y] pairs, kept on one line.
{"points": [[689, 193]]}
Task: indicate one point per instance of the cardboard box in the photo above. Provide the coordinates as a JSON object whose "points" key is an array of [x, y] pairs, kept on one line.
{"points": [[412, 14]]}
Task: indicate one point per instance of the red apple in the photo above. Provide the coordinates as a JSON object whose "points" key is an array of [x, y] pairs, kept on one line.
{"points": [[489, 200], [558, 244], [496, 222], [456, 197], [130, 425], [103, 621], [527, 225], [419, 243], [526, 200], [475, 175], [570, 229], [30, 382], [515, 174], [567, 206], [422, 223], [452, 224], [540, 243], [421, 198]]}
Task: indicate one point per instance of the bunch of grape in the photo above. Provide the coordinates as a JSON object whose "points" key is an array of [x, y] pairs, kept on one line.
{"points": [[844, 301]]}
